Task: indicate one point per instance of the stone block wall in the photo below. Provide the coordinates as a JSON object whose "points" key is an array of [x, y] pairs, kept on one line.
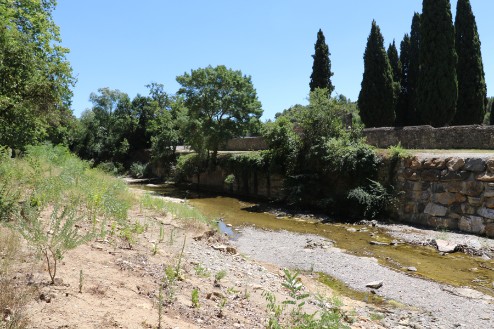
{"points": [[454, 193], [246, 144], [426, 137]]}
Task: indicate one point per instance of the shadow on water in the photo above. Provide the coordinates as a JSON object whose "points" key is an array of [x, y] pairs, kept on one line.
{"points": [[457, 269]]}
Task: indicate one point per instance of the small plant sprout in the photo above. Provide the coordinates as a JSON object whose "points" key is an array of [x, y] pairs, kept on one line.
{"points": [[195, 298], [81, 281], [201, 271], [218, 277]]}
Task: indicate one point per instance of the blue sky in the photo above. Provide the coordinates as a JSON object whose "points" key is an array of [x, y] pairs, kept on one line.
{"points": [[124, 44]]}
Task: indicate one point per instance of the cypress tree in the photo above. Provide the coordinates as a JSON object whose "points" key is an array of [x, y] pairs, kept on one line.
{"points": [[376, 98], [472, 91], [411, 117], [394, 61], [437, 91], [403, 98], [491, 119], [321, 69]]}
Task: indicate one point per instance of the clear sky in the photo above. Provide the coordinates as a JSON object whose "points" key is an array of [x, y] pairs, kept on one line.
{"points": [[124, 44]]}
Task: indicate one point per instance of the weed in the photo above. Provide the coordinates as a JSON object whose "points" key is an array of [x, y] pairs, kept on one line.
{"points": [[54, 237], [195, 298], [201, 271], [218, 277], [81, 280], [399, 152], [299, 319]]}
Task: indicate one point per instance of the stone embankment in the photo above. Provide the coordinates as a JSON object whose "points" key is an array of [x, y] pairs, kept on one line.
{"points": [[447, 192]]}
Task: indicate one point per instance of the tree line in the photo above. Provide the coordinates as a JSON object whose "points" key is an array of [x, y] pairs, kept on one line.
{"points": [[438, 77]]}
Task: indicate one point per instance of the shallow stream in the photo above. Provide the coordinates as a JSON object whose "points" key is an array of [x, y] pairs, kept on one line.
{"points": [[457, 269]]}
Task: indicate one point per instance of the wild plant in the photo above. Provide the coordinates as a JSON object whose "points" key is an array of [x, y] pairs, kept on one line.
{"points": [[54, 237], [218, 277], [298, 318], [195, 298]]}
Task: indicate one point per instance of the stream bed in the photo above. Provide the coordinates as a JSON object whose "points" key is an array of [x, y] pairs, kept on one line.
{"points": [[456, 269]]}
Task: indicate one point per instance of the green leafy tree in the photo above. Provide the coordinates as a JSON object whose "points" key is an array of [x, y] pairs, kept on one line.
{"points": [[472, 90], [412, 117], [437, 90], [321, 68], [35, 77], [402, 106], [376, 99], [222, 103]]}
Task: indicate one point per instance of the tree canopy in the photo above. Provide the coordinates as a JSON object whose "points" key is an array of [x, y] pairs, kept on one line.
{"points": [[222, 103], [321, 68], [377, 97], [437, 90], [35, 77], [472, 91]]}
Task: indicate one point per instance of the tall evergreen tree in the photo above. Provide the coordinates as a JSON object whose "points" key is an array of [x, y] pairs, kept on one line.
{"points": [[394, 61], [491, 119], [403, 99], [472, 91], [437, 91], [411, 117], [376, 98], [321, 69]]}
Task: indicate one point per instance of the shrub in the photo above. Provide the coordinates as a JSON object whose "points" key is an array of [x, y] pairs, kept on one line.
{"points": [[138, 170], [373, 198]]}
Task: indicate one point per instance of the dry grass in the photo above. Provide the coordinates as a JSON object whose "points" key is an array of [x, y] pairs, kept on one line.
{"points": [[14, 294]]}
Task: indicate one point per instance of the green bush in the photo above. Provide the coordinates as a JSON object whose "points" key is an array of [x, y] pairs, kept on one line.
{"points": [[374, 199], [189, 165], [138, 169]]}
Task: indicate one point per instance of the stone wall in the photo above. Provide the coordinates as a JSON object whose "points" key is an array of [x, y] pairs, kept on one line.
{"points": [[427, 137], [246, 144], [255, 184], [455, 193]]}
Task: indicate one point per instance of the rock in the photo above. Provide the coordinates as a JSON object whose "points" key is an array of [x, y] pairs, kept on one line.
{"points": [[415, 164], [472, 188], [377, 243], [476, 202], [447, 198], [351, 229], [435, 210], [486, 212], [487, 177], [412, 269], [454, 164], [490, 165], [475, 164], [374, 284], [445, 246], [473, 224], [205, 235], [467, 209], [224, 248], [431, 175]]}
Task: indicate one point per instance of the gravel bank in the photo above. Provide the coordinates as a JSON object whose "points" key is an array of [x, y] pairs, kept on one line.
{"points": [[438, 306]]}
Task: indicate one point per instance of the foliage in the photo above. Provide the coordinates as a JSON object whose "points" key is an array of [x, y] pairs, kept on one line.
{"points": [[137, 169], [298, 318], [189, 165], [397, 151], [35, 77], [412, 116], [374, 198], [283, 142], [437, 90], [321, 68], [403, 103], [377, 96], [222, 103], [472, 90], [53, 183], [491, 119], [195, 298], [394, 61], [52, 239]]}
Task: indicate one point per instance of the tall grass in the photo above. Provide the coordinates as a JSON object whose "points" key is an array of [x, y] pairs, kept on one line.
{"points": [[49, 193]]}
